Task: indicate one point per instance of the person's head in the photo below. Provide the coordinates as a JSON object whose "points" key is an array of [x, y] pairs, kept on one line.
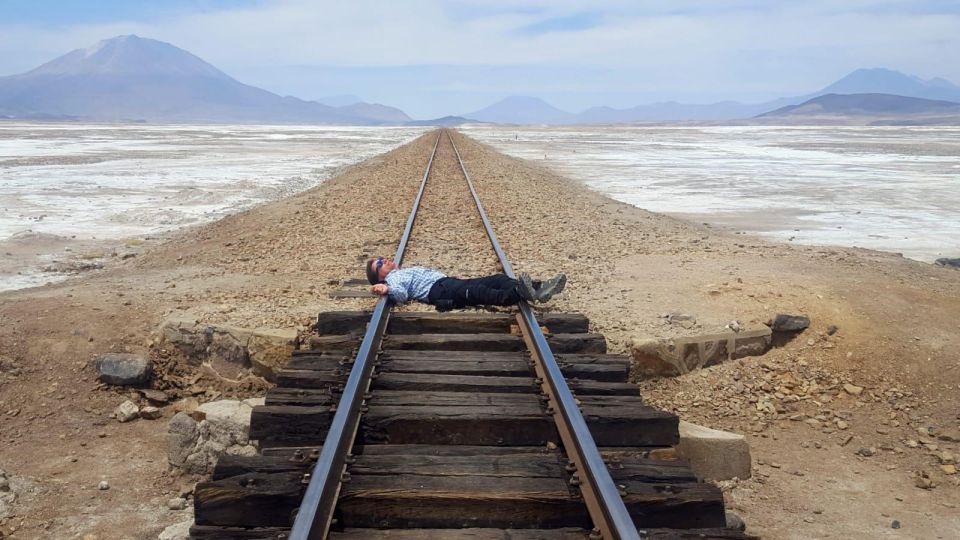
{"points": [[377, 269]]}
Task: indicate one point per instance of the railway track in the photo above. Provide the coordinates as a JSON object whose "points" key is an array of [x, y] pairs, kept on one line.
{"points": [[462, 425]]}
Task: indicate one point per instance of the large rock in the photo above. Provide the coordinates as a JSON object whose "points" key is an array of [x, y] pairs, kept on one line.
{"points": [[229, 350], [948, 262], [670, 357], [714, 454], [269, 350], [789, 323], [123, 369], [182, 435], [196, 440]]}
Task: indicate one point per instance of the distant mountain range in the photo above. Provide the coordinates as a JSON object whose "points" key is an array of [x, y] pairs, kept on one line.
{"points": [[531, 110], [875, 108], [129, 78]]}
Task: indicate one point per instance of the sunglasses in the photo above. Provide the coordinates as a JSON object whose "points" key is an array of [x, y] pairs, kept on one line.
{"points": [[379, 263]]}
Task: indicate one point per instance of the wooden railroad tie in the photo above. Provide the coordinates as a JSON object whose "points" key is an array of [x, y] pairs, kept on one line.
{"points": [[457, 441]]}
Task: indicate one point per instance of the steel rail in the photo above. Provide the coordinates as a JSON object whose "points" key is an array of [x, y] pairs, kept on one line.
{"points": [[315, 514], [609, 514]]}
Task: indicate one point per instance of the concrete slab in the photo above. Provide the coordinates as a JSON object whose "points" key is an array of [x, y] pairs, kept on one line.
{"points": [[671, 357], [714, 454]]}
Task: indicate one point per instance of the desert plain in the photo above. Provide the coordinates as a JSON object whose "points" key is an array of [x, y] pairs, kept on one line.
{"points": [[865, 448]]}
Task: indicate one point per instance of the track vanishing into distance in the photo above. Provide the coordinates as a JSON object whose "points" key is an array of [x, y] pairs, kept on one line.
{"points": [[462, 425]]}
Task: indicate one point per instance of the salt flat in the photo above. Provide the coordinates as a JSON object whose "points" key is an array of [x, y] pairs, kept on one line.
{"points": [[67, 188], [68, 184], [887, 188]]}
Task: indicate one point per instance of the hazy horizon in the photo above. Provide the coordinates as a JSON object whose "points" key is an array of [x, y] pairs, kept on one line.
{"points": [[434, 58]]}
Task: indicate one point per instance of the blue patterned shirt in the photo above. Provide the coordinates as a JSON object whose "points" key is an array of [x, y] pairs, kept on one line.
{"points": [[411, 283]]}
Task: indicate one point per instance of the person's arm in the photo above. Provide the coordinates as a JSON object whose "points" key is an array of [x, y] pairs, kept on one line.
{"points": [[397, 283], [380, 288]]}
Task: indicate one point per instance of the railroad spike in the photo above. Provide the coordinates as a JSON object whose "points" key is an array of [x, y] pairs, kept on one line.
{"points": [[575, 480], [571, 467], [345, 477]]}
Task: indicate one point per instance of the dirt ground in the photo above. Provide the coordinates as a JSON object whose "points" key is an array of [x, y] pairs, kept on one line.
{"points": [[829, 462]]}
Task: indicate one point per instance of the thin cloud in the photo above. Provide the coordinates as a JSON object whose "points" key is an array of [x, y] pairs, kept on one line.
{"points": [[569, 23], [646, 50]]}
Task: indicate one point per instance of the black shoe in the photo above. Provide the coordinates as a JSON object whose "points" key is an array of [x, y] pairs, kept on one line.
{"points": [[525, 287], [444, 305], [551, 287]]}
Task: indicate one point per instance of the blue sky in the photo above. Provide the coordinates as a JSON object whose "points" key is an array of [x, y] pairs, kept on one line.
{"points": [[433, 57]]}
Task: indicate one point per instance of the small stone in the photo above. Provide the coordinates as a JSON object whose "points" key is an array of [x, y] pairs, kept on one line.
{"points": [[156, 396], [682, 319], [946, 458], [186, 489], [867, 452], [852, 389], [949, 469], [953, 436], [735, 522], [842, 424], [150, 413], [895, 524], [923, 481], [127, 411], [551, 445], [177, 503], [177, 531], [103, 485], [910, 443]]}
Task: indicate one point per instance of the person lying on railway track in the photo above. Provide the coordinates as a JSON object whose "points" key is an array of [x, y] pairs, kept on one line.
{"points": [[433, 287]]}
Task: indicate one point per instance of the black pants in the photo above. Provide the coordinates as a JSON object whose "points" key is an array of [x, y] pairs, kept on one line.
{"points": [[454, 293]]}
